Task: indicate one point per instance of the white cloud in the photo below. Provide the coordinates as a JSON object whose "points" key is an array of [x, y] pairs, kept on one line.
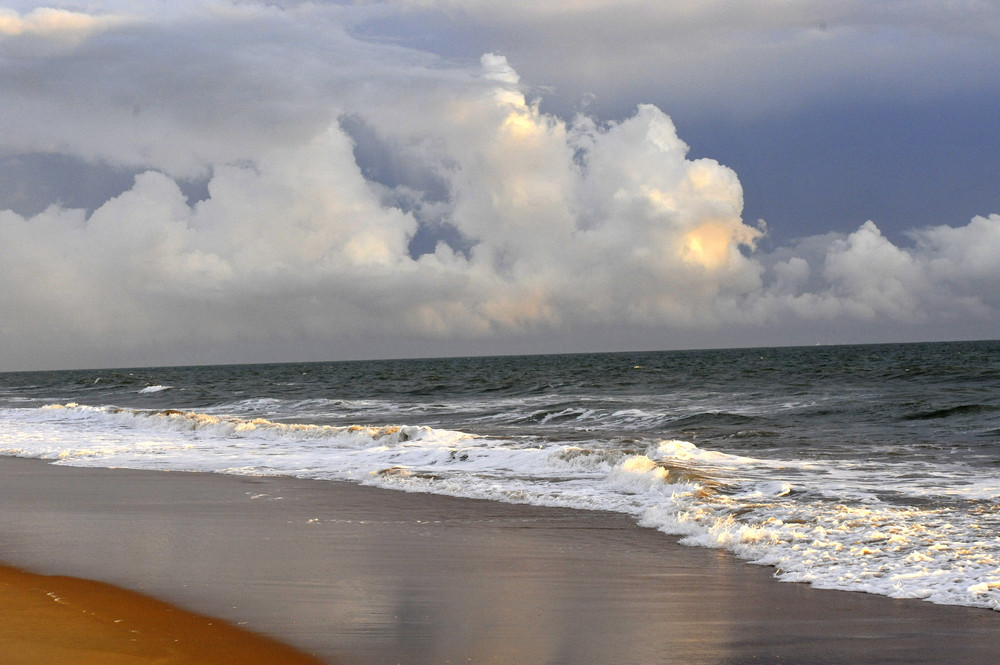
{"points": [[873, 277], [43, 21], [561, 225], [948, 276]]}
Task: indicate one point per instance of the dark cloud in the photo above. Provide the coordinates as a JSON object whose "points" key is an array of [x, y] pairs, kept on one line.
{"points": [[247, 182]]}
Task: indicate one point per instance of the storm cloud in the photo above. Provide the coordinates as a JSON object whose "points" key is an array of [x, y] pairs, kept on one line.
{"points": [[264, 184]]}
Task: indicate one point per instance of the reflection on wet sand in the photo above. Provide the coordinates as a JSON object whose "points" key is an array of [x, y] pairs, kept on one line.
{"points": [[360, 575]]}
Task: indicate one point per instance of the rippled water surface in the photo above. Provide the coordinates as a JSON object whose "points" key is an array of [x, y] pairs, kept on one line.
{"points": [[871, 468]]}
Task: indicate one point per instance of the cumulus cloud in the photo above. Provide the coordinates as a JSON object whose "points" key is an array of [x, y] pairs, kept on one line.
{"points": [[948, 274], [324, 160]]}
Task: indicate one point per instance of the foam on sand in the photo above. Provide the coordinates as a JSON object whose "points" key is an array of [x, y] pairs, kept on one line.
{"points": [[828, 522]]}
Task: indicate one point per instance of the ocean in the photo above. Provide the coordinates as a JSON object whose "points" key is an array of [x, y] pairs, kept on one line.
{"points": [[869, 468]]}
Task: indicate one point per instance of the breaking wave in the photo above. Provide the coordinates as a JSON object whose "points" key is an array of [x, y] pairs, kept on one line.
{"points": [[830, 523]]}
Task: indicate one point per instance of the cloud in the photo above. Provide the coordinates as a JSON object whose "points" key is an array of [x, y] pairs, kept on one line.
{"points": [[183, 92], [733, 57], [946, 276], [323, 161], [50, 31], [49, 22]]}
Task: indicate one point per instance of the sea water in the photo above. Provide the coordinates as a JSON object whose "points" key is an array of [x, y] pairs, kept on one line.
{"points": [[865, 468]]}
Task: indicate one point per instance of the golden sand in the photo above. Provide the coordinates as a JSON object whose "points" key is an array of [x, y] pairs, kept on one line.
{"points": [[47, 619]]}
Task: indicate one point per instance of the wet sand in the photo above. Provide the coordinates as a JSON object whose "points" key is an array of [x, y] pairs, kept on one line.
{"points": [[50, 619], [367, 576]]}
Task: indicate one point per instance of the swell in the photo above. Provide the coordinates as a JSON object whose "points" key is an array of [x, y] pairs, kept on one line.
{"points": [[953, 411]]}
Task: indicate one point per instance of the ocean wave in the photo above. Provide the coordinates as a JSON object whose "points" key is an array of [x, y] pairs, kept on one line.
{"points": [[831, 523], [948, 412], [259, 428]]}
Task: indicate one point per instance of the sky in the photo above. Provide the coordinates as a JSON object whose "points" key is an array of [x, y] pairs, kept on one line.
{"points": [[227, 181]]}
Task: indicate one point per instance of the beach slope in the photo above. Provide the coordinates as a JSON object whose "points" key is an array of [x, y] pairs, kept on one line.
{"points": [[53, 619]]}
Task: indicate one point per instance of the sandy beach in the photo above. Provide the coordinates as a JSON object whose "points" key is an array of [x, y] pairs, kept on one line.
{"points": [[55, 619], [360, 575]]}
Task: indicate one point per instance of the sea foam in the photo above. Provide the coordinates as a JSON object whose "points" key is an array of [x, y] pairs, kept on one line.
{"points": [[814, 521]]}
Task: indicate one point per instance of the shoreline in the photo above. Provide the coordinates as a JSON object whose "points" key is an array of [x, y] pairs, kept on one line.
{"points": [[356, 574]]}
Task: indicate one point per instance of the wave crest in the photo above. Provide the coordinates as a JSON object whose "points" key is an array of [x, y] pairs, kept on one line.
{"points": [[233, 426]]}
